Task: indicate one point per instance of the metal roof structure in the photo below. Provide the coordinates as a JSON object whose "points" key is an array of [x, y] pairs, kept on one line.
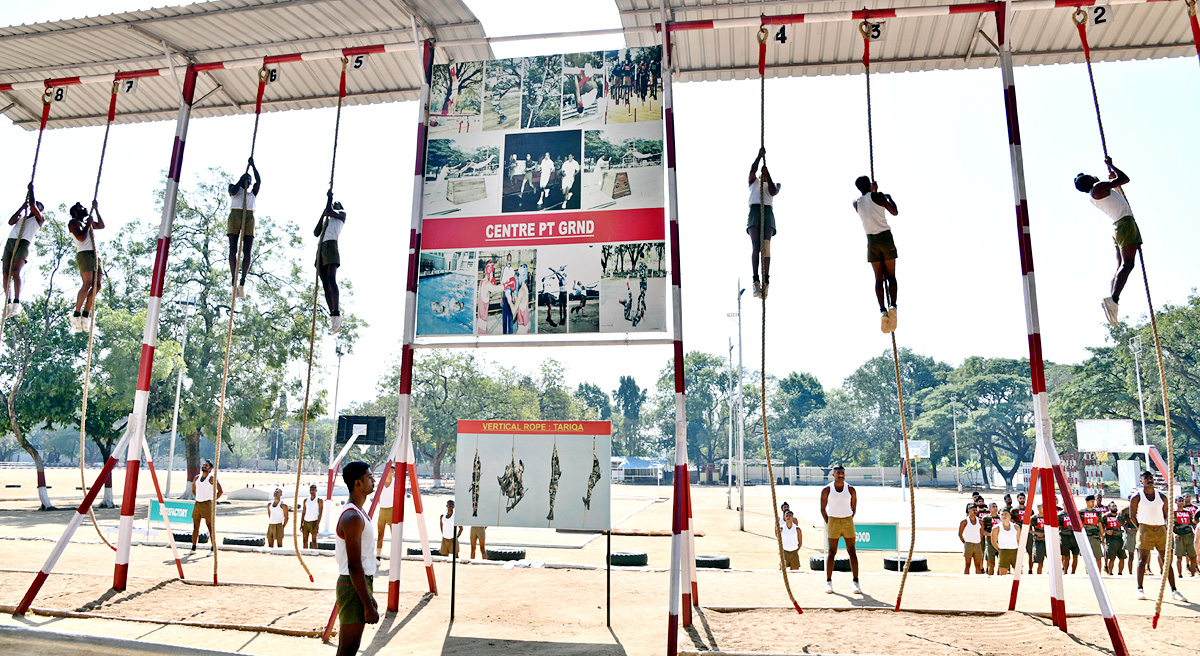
{"points": [[918, 35], [166, 40]]}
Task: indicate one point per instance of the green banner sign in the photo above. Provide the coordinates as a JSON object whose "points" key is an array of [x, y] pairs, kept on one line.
{"points": [[179, 511], [873, 537]]}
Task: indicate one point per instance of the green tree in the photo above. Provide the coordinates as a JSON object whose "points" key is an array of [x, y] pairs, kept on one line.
{"points": [[793, 400], [554, 399], [834, 434], [629, 400], [595, 401], [707, 385], [872, 389]]}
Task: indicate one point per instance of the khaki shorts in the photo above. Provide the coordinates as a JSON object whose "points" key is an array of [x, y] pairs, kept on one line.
{"points": [[350, 606], [275, 532], [881, 247], [327, 253], [791, 559], [22, 249], [1150, 537], [202, 510], [383, 519], [478, 533], [1126, 233], [1008, 558], [753, 221], [1115, 548], [447, 547], [973, 550], [309, 528], [1097, 545], [85, 261], [1185, 545], [840, 527], [240, 221]]}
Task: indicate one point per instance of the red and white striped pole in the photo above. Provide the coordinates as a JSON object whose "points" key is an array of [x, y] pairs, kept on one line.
{"points": [[80, 513], [137, 420], [1046, 460], [681, 534], [162, 504], [419, 509], [404, 409]]}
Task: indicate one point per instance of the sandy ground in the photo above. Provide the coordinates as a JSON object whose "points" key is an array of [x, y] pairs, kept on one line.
{"points": [[500, 610]]}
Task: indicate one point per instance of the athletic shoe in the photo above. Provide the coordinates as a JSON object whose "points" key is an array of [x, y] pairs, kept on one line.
{"points": [[335, 323], [892, 316], [1141, 596], [241, 290], [1178, 596], [1110, 309], [884, 322], [74, 324], [12, 310], [829, 587], [857, 588], [757, 289]]}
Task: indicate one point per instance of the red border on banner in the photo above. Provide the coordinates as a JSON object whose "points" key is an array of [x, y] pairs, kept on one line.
{"points": [[544, 229], [505, 427]]}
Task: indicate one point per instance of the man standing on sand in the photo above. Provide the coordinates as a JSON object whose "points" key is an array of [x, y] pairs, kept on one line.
{"points": [[1114, 542], [1148, 510], [1006, 539], [450, 532], [356, 568], [1185, 537], [1091, 518], [205, 490], [839, 502], [1037, 546], [792, 539], [312, 510], [277, 516], [1067, 543], [970, 533]]}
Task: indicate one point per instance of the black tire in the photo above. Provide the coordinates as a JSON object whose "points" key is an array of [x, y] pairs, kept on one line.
{"points": [[187, 537], [505, 553], [840, 564], [628, 559], [896, 564], [244, 541], [711, 561], [326, 545], [416, 551]]}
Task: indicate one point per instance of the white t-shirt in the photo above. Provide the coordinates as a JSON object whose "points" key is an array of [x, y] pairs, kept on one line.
{"points": [[28, 231], [874, 217], [447, 527], [770, 198], [235, 200], [388, 495], [204, 488], [570, 168], [275, 513], [791, 537], [1114, 205], [333, 228]]}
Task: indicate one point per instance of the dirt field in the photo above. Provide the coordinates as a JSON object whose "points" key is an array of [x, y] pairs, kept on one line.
{"points": [[561, 610]]}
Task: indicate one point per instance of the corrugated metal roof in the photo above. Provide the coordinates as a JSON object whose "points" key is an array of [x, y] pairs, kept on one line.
{"points": [[1039, 33], [226, 30]]}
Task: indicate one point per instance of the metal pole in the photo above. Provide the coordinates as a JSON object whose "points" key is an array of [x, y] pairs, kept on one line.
{"points": [[741, 427], [957, 469], [453, 572], [729, 461], [337, 381], [608, 581], [187, 314], [1136, 347]]}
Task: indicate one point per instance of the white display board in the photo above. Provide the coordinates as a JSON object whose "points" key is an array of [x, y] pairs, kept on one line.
{"points": [[536, 474], [1105, 435]]}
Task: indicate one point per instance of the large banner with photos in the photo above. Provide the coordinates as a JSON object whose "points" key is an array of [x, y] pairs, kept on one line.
{"points": [[544, 195], [535, 474]]}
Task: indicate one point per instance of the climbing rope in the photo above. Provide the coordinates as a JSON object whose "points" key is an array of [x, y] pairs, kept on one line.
{"points": [[1191, 10], [87, 368], [46, 96], [1080, 18], [262, 85], [864, 29], [762, 232]]}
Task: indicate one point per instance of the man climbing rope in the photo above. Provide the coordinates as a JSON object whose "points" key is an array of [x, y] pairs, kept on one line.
{"points": [[755, 223], [81, 226], [839, 503], [329, 228], [1108, 198], [16, 249], [242, 197], [881, 249]]}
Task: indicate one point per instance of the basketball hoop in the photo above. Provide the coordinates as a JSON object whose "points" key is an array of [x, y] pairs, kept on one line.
{"points": [[362, 448]]}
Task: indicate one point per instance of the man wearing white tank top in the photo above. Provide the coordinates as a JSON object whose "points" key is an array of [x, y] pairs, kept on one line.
{"points": [[1108, 198], [970, 533], [356, 568], [872, 208], [839, 502], [313, 508], [1148, 510], [277, 518], [205, 490], [1005, 538]]}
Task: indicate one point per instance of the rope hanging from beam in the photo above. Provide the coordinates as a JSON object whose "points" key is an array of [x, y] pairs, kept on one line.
{"points": [[29, 206]]}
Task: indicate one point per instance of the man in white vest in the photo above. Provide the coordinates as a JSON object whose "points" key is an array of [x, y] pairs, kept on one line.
{"points": [[1148, 511], [205, 490], [839, 502]]}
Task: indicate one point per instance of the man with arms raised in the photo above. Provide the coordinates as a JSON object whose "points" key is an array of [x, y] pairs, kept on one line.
{"points": [[356, 568], [839, 502]]}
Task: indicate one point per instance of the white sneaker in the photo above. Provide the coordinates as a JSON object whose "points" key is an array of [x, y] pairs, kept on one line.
{"points": [[857, 588], [885, 323], [12, 310], [1110, 309], [829, 587], [892, 316], [76, 324], [335, 324], [757, 289], [1178, 596], [1141, 596], [241, 291]]}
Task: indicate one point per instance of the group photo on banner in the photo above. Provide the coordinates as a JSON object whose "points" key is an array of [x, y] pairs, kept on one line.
{"points": [[543, 205]]}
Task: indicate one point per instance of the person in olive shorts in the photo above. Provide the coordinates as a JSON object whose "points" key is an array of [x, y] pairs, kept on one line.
{"points": [[26, 222], [242, 198], [311, 511], [872, 208], [1114, 542], [1129, 529], [1069, 546], [1005, 538], [757, 225], [82, 226], [329, 228], [970, 533], [356, 568], [990, 517], [1090, 516], [1109, 198], [1037, 546], [839, 503], [1185, 537]]}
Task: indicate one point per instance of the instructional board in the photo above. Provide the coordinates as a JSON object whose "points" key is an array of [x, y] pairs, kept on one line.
{"points": [[536, 474]]}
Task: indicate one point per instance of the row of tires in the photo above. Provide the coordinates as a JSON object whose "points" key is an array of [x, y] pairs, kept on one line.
{"points": [[890, 563]]}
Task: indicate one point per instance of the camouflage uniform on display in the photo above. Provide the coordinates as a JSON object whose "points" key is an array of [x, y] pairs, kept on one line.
{"points": [[592, 479], [475, 486], [555, 473]]}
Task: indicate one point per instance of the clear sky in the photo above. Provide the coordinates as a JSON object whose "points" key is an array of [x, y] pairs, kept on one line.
{"points": [[941, 151]]}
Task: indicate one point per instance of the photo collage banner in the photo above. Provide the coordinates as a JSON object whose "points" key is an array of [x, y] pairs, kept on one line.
{"points": [[534, 474], [543, 209]]}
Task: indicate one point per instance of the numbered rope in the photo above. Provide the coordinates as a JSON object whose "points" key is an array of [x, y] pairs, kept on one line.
{"points": [[1170, 473], [262, 85], [312, 338], [1191, 10], [864, 29], [762, 231], [337, 124], [87, 368], [912, 498], [29, 201], [1080, 18]]}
